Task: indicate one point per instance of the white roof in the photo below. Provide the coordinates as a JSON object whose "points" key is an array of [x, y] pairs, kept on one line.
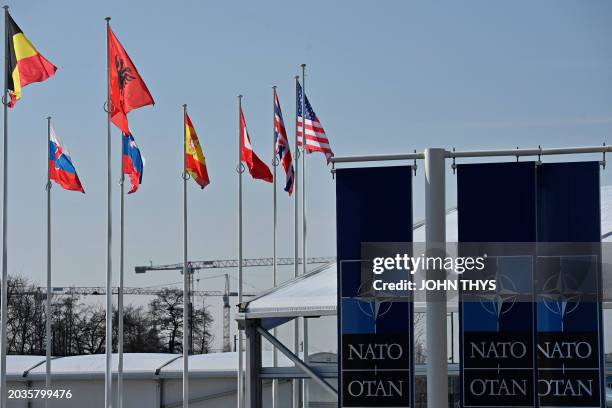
{"points": [[315, 294], [138, 365]]}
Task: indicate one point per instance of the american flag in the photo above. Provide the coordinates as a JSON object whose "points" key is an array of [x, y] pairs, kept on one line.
{"points": [[282, 146], [316, 139]]}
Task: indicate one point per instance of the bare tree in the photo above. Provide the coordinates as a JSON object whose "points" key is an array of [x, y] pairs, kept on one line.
{"points": [[80, 329], [167, 313], [140, 335]]}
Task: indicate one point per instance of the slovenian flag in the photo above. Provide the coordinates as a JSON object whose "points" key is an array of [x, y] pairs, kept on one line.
{"points": [[133, 162], [61, 169]]}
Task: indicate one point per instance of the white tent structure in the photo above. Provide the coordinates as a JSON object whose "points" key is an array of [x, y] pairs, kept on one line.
{"points": [[150, 380]]}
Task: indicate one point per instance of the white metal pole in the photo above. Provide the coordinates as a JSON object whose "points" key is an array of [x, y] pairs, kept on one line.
{"points": [[240, 333], [296, 231], [274, 221], [48, 300], [120, 289], [186, 271], [304, 253], [108, 379], [435, 237], [4, 295]]}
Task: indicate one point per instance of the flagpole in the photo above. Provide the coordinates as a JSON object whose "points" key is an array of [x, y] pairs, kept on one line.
{"points": [[120, 291], [240, 170], [274, 218], [3, 305], [186, 327], [48, 300], [108, 379], [304, 150], [296, 248]]}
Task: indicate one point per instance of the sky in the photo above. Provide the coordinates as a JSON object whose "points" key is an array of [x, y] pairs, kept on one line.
{"points": [[386, 77]]}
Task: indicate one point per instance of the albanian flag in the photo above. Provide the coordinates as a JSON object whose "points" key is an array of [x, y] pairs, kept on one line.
{"points": [[195, 162], [257, 168], [127, 89], [25, 65]]}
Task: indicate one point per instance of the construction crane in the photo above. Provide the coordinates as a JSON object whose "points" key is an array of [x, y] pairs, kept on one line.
{"points": [[232, 263], [193, 266]]}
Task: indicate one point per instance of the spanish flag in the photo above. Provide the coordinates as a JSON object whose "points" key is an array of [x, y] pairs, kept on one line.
{"points": [[25, 64], [195, 162]]}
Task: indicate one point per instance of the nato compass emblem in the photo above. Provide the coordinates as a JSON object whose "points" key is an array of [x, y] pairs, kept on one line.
{"points": [[373, 303], [559, 295], [503, 300]]}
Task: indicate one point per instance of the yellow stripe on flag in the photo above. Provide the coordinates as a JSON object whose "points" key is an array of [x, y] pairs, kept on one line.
{"points": [[23, 47]]}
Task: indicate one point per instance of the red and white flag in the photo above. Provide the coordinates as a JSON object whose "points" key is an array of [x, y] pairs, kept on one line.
{"points": [[257, 168]]}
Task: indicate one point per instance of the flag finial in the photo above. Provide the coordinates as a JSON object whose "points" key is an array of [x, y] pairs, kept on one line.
{"points": [[107, 18]]}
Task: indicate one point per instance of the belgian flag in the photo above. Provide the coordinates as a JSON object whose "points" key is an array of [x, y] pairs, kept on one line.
{"points": [[25, 64]]}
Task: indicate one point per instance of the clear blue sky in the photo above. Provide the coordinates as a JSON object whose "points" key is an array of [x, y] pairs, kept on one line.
{"points": [[383, 77]]}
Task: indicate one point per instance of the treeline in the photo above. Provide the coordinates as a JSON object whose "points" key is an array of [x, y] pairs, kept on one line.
{"points": [[78, 328]]}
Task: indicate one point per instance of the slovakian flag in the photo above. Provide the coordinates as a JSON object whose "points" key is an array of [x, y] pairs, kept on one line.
{"points": [[133, 162], [282, 146], [127, 88], [61, 169], [24, 65], [316, 139], [257, 168], [195, 162]]}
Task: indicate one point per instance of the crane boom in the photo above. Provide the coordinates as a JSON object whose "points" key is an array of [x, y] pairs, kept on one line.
{"points": [[232, 263], [101, 290]]}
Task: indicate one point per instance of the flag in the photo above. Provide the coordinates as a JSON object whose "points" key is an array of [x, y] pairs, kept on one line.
{"points": [[127, 88], [195, 161], [316, 139], [25, 65], [282, 146], [61, 169], [257, 168], [133, 162]]}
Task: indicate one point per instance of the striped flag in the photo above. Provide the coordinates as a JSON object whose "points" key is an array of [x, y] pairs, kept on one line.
{"points": [[24, 65], [316, 139], [282, 146], [61, 168]]}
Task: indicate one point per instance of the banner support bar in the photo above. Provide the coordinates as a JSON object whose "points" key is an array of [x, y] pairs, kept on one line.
{"points": [[477, 153]]}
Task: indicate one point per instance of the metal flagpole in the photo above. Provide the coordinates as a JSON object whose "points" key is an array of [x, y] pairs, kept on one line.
{"points": [[3, 339], [48, 300], [108, 379], [240, 169], [120, 291], [305, 321], [274, 217], [296, 231], [186, 327]]}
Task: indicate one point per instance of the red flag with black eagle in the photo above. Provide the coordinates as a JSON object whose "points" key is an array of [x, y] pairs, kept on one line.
{"points": [[127, 88]]}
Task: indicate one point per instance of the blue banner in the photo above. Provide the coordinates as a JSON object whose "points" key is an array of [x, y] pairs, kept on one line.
{"points": [[496, 204], [569, 316], [537, 341], [375, 367]]}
